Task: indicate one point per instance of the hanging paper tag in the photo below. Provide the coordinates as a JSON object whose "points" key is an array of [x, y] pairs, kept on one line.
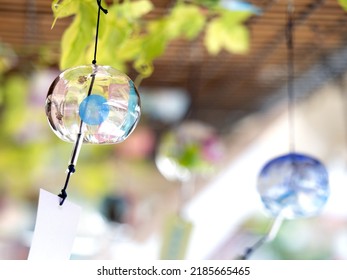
{"points": [[176, 237], [55, 228]]}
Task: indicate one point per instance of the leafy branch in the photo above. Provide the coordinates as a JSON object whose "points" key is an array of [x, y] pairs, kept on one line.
{"points": [[128, 35]]}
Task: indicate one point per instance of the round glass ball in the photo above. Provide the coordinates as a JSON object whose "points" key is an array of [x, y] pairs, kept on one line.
{"points": [[99, 101], [294, 185], [189, 149]]}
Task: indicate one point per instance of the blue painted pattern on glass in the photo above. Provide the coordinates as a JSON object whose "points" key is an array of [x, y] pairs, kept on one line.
{"points": [[294, 185], [94, 110]]}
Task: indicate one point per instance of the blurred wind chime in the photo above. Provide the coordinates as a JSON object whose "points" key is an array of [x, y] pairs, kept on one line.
{"points": [[186, 152], [85, 104], [293, 185]]}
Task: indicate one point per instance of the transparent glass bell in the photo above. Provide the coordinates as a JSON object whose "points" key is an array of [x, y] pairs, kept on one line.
{"points": [[192, 148], [99, 101], [294, 185]]}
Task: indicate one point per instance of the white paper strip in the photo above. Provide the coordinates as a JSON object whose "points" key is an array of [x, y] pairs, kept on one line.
{"points": [[55, 228]]}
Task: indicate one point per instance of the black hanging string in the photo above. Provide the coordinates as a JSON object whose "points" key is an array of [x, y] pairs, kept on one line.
{"points": [[97, 29], [71, 168], [249, 251], [291, 123]]}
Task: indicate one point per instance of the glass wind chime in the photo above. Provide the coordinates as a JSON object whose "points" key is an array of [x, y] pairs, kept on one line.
{"points": [[92, 104], [85, 104], [293, 185], [185, 152]]}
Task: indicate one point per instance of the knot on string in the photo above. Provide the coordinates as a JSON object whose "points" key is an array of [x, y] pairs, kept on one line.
{"points": [[100, 7], [247, 253], [71, 168], [63, 196]]}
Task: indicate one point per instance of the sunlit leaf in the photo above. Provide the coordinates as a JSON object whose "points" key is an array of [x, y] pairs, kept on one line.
{"points": [[214, 37], [124, 36], [64, 8], [72, 41], [231, 18], [155, 42], [77, 38], [227, 33], [131, 49], [114, 36], [115, 33], [139, 8], [186, 21], [121, 41], [343, 4], [207, 3], [237, 40]]}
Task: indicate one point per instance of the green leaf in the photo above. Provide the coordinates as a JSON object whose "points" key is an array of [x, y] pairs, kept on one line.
{"points": [[121, 40], [343, 4], [214, 37], [124, 38], [154, 43], [231, 18], [130, 49], [137, 9], [237, 40], [185, 20], [115, 34], [63, 9], [227, 33], [72, 40], [130, 10], [77, 38], [207, 3]]}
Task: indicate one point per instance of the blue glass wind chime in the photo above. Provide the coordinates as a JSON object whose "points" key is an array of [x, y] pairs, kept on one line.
{"points": [[293, 185], [92, 104]]}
